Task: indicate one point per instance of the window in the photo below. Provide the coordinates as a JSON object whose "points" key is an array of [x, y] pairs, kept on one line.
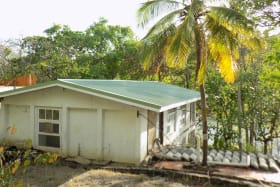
{"points": [[49, 127], [192, 110], [182, 116], [171, 120]]}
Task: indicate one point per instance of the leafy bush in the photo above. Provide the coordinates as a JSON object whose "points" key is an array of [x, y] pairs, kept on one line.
{"points": [[12, 158]]}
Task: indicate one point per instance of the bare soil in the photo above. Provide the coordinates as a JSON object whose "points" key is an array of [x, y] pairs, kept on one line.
{"points": [[66, 176]]}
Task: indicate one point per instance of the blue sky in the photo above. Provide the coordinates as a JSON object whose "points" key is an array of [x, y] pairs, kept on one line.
{"points": [[19, 18]]}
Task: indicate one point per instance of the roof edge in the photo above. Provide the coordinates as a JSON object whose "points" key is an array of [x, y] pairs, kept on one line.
{"points": [[85, 90]]}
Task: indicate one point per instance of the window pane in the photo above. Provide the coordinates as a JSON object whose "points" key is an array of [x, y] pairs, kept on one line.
{"points": [[192, 112], [49, 141], [42, 114], [49, 128], [48, 114], [168, 129], [55, 115]]}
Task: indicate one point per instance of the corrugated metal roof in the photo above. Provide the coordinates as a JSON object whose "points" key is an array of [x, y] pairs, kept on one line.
{"points": [[151, 95]]}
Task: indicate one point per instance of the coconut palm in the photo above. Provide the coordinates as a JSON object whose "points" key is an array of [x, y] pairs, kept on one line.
{"points": [[213, 32]]}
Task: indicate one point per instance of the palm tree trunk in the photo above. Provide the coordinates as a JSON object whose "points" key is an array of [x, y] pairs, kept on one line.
{"points": [[204, 124]]}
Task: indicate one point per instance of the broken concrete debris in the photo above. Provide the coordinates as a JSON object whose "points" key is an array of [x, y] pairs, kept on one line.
{"points": [[220, 157]]}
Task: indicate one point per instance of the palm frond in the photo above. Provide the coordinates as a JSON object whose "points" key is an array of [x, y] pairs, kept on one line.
{"points": [[254, 42], [234, 21], [228, 31], [224, 58], [153, 46], [197, 7], [163, 23], [152, 9], [220, 33], [179, 44]]}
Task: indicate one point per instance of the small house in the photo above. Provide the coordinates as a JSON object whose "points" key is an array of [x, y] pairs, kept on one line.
{"points": [[116, 120]]}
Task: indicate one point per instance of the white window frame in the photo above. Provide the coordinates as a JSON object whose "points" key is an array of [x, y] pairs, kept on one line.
{"points": [[38, 121]]}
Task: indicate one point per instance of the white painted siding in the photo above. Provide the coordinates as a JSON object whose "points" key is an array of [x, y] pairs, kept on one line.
{"points": [[19, 117]]}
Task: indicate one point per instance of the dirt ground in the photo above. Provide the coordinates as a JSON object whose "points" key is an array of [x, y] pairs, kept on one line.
{"points": [[65, 176]]}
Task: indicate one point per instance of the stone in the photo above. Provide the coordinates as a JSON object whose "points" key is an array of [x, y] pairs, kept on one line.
{"points": [[178, 155], [159, 155], [228, 153], [221, 152], [188, 151], [169, 155], [254, 163], [225, 160], [181, 150], [79, 160], [262, 163], [165, 151], [220, 156], [253, 155], [209, 158], [192, 150], [262, 155], [244, 158], [148, 159], [272, 165], [277, 159], [186, 157], [235, 154], [213, 151], [213, 154], [227, 156], [235, 159], [193, 157]]}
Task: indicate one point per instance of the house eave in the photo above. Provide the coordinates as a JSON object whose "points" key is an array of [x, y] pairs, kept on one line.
{"points": [[175, 105]]}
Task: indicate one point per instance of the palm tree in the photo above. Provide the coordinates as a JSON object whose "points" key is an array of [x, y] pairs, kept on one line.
{"points": [[180, 26]]}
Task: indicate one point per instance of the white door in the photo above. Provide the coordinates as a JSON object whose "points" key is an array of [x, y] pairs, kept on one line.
{"points": [[120, 136], [82, 133]]}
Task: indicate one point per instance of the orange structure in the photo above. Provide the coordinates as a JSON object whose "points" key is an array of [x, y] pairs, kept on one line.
{"points": [[25, 80]]}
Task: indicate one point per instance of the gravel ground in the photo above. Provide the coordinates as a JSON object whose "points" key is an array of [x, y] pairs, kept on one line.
{"points": [[65, 176]]}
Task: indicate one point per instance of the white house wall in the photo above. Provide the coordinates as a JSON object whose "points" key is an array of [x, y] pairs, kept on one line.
{"points": [[21, 121], [89, 124]]}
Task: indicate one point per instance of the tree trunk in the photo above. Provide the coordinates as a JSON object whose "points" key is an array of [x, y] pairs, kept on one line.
{"points": [[204, 125], [265, 146], [247, 135], [252, 131], [239, 117]]}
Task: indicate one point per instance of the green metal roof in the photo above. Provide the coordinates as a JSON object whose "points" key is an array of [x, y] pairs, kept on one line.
{"points": [[151, 95]]}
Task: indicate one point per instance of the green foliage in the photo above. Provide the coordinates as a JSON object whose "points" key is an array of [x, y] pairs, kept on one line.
{"points": [[101, 51], [265, 12], [250, 148], [222, 101], [260, 100]]}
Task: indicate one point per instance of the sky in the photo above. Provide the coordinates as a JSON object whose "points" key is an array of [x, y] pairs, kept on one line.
{"points": [[20, 18]]}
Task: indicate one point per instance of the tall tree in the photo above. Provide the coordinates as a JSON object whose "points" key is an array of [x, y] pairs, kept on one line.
{"points": [[98, 52], [213, 31], [265, 12]]}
